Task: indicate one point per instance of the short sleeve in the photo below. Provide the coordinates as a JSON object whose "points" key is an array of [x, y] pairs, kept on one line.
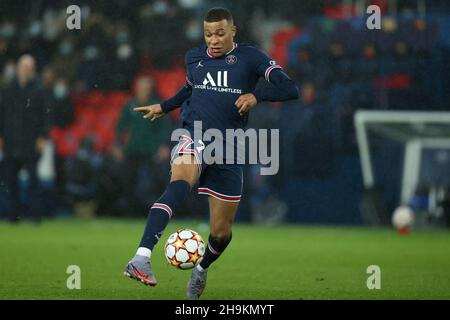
{"points": [[264, 64]]}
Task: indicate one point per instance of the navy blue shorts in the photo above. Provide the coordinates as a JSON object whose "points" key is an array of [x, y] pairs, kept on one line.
{"points": [[221, 181]]}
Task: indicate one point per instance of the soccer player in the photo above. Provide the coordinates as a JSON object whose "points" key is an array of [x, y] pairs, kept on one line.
{"points": [[220, 90]]}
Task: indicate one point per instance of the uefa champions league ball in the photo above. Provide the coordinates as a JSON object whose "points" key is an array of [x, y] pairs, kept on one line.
{"points": [[402, 218], [184, 249]]}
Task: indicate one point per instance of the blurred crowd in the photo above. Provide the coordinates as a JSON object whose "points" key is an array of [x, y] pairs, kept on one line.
{"points": [[104, 159], [38, 179]]}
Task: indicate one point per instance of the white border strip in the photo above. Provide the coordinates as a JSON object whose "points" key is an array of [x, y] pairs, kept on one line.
{"points": [[218, 195], [162, 206]]}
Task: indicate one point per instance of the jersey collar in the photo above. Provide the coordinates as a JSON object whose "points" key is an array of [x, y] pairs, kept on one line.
{"points": [[211, 56]]}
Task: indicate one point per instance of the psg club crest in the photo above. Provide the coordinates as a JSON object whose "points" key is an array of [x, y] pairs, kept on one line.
{"points": [[231, 59]]}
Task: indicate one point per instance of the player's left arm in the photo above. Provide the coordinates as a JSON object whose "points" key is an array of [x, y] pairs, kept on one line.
{"points": [[280, 88]]}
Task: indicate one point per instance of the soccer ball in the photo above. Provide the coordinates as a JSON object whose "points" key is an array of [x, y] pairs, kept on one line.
{"points": [[402, 218], [184, 249]]}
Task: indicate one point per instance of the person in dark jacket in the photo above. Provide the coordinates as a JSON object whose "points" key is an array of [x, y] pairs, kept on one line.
{"points": [[139, 147], [23, 134]]}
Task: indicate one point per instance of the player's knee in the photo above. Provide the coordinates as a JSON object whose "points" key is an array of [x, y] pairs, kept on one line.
{"points": [[221, 237], [185, 159], [221, 234], [182, 169], [185, 177]]}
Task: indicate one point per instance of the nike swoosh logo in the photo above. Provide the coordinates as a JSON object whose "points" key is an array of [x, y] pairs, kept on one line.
{"points": [[201, 147]]}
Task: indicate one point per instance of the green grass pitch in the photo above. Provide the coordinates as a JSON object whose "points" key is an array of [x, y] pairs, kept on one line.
{"points": [[262, 262]]}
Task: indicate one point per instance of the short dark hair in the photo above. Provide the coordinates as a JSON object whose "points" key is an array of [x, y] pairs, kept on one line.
{"points": [[218, 14]]}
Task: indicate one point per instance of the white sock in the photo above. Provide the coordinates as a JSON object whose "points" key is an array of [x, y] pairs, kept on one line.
{"points": [[145, 252], [199, 268]]}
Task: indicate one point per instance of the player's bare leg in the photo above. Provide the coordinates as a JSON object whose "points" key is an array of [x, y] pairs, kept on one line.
{"points": [[222, 214], [185, 168], [184, 175]]}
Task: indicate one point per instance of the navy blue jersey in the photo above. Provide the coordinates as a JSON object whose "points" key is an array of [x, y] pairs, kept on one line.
{"points": [[218, 82]]}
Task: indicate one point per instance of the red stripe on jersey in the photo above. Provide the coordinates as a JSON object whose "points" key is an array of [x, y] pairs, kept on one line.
{"points": [[269, 70], [219, 195], [184, 147]]}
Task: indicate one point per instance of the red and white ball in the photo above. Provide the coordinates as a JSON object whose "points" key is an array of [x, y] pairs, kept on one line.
{"points": [[184, 249], [403, 218]]}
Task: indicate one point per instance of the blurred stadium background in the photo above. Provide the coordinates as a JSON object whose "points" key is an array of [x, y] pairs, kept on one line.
{"points": [[107, 164], [104, 161]]}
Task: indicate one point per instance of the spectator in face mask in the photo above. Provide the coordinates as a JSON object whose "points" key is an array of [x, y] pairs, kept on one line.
{"points": [[62, 111], [8, 74], [66, 59], [23, 131], [62, 115]]}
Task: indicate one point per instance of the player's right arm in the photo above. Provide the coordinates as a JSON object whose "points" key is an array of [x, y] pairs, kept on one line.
{"points": [[177, 100], [155, 111]]}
